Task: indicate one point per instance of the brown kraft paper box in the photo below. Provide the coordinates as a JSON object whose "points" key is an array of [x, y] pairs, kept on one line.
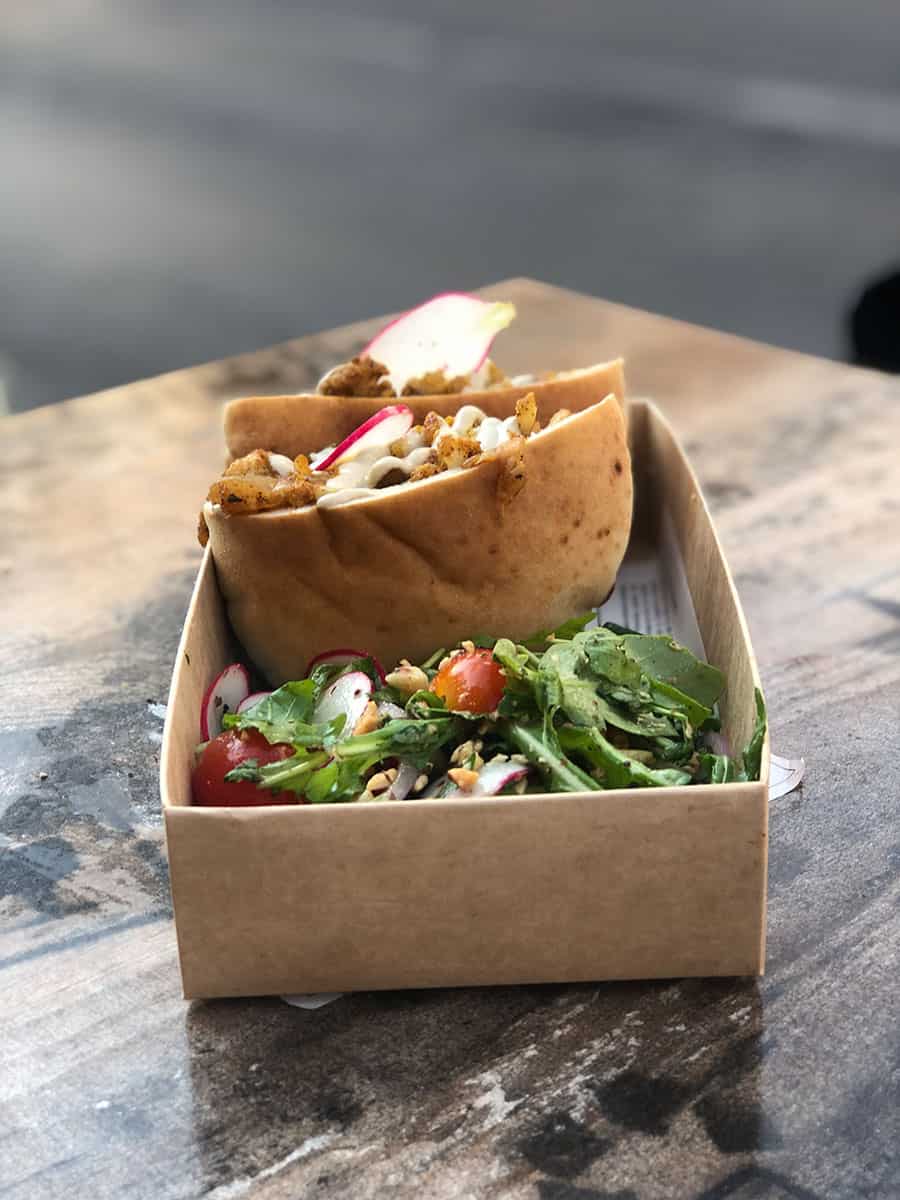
{"points": [[638, 884]]}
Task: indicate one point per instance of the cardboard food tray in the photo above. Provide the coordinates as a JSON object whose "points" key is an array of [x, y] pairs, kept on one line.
{"points": [[636, 884]]}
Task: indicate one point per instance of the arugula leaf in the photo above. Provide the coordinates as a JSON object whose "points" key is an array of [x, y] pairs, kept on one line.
{"points": [[517, 661], [546, 754], [423, 704], [413, 740], [562, 633], [752, 756], [620, 769], [563, 688], [433, 659], [667, 696], [291, 774], [247, 770], [283, 716], [719, 768], [716, 768], [663, 660], [606, 656]]}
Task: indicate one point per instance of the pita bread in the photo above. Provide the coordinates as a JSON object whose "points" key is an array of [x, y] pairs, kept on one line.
{"points": [[295, 425], [425, 564]]}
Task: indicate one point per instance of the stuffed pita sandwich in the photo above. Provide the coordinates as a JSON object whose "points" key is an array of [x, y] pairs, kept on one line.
{"points": [[410, 534]]}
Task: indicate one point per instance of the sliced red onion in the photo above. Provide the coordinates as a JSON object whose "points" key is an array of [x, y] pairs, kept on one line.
{"points": [[223, 695], [718, 743], [407, 774]]}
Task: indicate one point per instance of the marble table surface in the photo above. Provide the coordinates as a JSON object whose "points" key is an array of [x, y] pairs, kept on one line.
{"points": [[111, 1085]]}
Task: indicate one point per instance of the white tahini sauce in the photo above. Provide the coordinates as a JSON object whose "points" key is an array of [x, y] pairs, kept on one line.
{"points": [[359, 474]]}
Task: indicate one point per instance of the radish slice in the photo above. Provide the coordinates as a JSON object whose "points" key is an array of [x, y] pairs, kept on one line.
{"points": [[347, 696], [452, 333], [382, 428], [340, 658], [249, 701], [223, 695], [492, 778], [389, 711]]}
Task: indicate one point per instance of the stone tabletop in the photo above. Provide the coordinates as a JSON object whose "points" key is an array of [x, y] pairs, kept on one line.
{"points": [[112, 1086]]}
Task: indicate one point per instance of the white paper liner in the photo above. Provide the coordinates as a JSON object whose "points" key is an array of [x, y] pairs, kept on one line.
{"points": [[651, 596]]}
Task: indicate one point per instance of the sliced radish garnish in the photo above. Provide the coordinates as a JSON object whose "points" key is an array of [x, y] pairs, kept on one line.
{"points": [[223, 695], [250, 700], [382, 428], [389, 711], [347, 696], [340, 658], [492, 778], [452, 333]]}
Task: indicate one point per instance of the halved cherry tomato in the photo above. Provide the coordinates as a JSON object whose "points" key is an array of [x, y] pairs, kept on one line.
{"points": [[471, 681], [227, 751]]}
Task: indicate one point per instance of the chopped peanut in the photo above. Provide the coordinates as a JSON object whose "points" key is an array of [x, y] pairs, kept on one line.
{"points": [[301, 465], [421, 782], [407, 678], [462, 753], [370, 719], [463, 778], [202, 530]]}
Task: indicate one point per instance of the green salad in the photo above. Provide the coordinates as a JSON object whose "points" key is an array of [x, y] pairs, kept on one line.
{"points": [[577, 709]]}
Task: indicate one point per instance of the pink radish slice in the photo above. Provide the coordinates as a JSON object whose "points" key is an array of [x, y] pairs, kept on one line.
{"points": [[340, 658], [492, 778], [381, 429], [249, 701], [452, 332], [347, 696], [223, 695]]}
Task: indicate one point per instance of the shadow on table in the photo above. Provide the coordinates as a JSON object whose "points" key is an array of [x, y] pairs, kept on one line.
{"points": [[270, 1081]]}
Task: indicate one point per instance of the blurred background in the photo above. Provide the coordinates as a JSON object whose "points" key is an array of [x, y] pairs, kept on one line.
{"points": [[186, 179]]}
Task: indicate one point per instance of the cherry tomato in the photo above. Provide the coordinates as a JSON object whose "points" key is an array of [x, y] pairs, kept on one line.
{"points": [[470, 681], [229, 750]]}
